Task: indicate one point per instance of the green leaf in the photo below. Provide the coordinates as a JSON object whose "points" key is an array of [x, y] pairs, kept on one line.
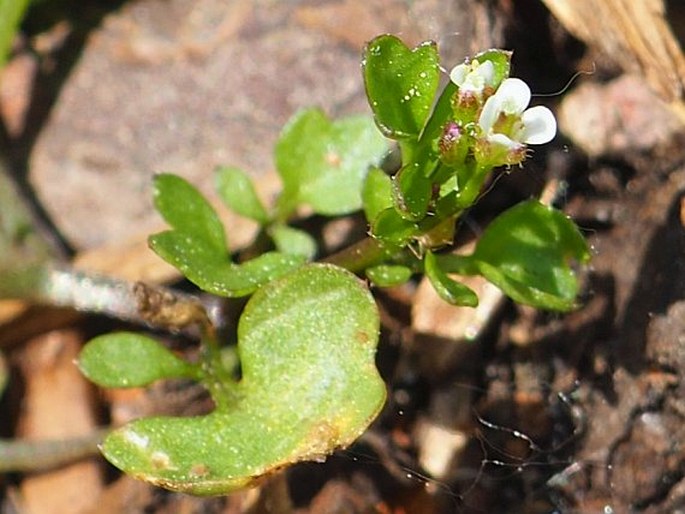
{"points": [[130, 360], [442, 113], [388, 275], [185, 209], [309, 385], [11, 14], [214, 272], [293, 241], [376, 193], [412, 192], [390, 227], [323, 163], [527, 252], [238, 193], [453, 292], [401, 84]]}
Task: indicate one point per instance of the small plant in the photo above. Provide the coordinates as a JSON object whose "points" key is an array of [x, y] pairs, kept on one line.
{"points": [[306, 383]]}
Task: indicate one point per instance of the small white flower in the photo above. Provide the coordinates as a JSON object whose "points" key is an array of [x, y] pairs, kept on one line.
{"points": [[505, 120], [473, 77]]}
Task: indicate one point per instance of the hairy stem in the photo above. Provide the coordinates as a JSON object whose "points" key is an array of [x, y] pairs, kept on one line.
{"points": [[63, 286]]}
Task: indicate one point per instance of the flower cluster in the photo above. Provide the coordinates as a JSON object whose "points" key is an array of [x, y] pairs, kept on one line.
{"points": [[496, 114]]}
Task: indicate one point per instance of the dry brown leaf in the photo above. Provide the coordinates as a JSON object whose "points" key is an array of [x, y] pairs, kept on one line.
{"points": [[633, 33]]}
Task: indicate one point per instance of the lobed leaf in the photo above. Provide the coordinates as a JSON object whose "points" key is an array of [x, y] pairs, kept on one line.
{"points": [[307, 344], [215, 273], [185, 209]]}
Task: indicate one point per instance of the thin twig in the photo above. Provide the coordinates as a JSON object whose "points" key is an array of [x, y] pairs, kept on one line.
{"points": [[39, 455]]}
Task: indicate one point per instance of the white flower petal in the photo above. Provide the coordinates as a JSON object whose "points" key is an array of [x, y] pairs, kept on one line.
{"points": [[489, 114], [513, 96], [539, 125], [487, 71], [505, 141], [458, 74]]}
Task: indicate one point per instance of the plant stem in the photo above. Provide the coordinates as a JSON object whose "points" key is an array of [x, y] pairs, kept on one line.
{"points": [[221, 383], [361, 255], [61, 285], [38, 455]]}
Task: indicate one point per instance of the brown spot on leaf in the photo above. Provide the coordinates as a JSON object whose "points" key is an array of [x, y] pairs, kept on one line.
{"points": [[333, 159], [199, 470]]}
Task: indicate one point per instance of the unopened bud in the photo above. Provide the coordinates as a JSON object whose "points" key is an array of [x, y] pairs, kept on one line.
{"points": [[453, 144]]}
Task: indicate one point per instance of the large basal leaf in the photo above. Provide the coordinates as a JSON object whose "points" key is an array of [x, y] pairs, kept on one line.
{"points": [[527, 252], [126, 359], [307, 344], [323, 163], [401, 84]]}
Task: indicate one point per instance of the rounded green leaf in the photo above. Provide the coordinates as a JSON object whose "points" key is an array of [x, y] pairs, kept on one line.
{"points": [[390, 227], [214, 272], [307, 346], [185, 209], [293, 241], [126, 359], [401, 84], [453, 292], [527, 252], [323, 163], [388, 275], [238, 193]]}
